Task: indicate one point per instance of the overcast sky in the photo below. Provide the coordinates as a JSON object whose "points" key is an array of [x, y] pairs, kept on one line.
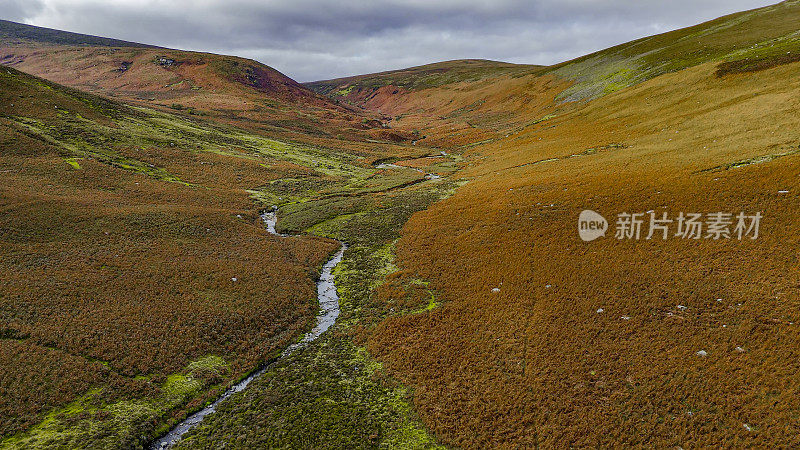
{"points": [[315, 39]]}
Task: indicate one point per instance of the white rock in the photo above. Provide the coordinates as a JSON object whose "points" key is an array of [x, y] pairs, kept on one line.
{"points": [[600, 311], [740, 349], [495, 290], [234, 279], [702, 353]]}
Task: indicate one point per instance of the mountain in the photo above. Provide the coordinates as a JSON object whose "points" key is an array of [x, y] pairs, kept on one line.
{"points": [[121, 229], [223, 88], [764, 34], [22, 33], [543, 340], [461, 101], [362, 87], [484, 100]]}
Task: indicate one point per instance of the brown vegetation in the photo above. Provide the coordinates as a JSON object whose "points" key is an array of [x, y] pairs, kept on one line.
{"points": [[509, 330], [535, 363], [226, 89], [755, 64], [108, 274]]}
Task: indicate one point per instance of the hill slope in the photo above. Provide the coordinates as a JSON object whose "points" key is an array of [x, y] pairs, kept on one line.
{"points": [[617, 342], [121, 231], [768, 33], [223, 88], [137, 277], [447, 104], [23, 33], [458, 102], [416, 78]]}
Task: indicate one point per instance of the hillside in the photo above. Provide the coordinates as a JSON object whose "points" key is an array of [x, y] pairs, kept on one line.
{"points": [[222, 88], [104, 218], [618, 342], [764, 34], [544, 340], [447, 104], [138, 280], [360, 87], [457, 103]]}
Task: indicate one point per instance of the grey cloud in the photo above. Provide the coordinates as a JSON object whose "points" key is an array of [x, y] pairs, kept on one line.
{"points": [[315, 39], [18, 10]]}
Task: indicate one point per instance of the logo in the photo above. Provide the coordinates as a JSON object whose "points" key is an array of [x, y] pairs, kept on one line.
{"points": [[591, 225], [691, 226]]}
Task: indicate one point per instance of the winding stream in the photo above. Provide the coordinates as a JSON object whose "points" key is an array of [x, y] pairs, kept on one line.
{"points": [[329, 311]]}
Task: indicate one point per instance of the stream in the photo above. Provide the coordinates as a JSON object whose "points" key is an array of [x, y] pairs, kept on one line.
{"points": [[329, 311]]}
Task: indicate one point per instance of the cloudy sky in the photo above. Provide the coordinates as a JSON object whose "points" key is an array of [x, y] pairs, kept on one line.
{"points": [[317, 39]]}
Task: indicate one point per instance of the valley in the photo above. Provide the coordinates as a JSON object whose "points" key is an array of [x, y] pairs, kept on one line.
{"points": [[140, 280]]}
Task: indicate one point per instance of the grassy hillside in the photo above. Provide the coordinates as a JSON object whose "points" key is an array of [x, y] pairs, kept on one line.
{"points": [[420, 77], [766, 33], [771, 36], [467, 101], [449, 104], [121, 234]]}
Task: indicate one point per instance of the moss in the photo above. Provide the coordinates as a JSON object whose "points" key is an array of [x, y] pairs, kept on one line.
{"points": [[329, 227], [332, 393], [92, 422], [774, 33], [345, 91], [73, 162]]}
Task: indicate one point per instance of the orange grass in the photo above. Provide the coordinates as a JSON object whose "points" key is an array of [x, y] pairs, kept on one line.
{"points": [[536, 366]]}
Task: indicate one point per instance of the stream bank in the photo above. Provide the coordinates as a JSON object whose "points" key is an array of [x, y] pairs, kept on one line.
{"points": [[329, 311]]}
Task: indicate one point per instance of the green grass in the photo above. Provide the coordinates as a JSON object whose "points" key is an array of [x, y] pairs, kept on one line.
{"points": [[333, 394], [73, 162], [423, 77], [765, 32]]}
